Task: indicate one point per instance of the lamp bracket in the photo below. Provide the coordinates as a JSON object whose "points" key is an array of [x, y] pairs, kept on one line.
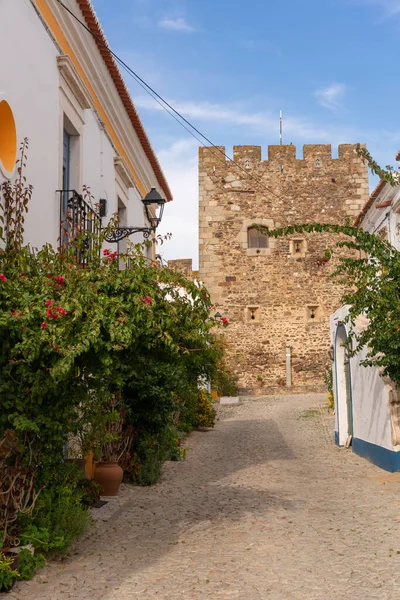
{"points": [[119, 233]]}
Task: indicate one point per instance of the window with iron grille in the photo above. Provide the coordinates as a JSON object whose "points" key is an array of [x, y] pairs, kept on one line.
{"points": [[80, 226]]}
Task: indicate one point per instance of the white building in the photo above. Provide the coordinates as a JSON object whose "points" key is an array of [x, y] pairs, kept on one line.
{"points": [[367, 406], [61, 89]]}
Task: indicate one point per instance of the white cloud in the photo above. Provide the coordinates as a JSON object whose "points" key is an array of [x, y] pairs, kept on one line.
{"points": [[179, 163], [389, 7], [259, 123], [179, 160], [178, 24], [331, 96]]}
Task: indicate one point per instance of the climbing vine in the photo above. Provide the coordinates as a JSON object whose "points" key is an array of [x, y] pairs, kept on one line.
{"points": [[371, 276]]}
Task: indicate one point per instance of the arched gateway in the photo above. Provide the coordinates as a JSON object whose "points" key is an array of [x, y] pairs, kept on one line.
{"points": [[343, 396]]}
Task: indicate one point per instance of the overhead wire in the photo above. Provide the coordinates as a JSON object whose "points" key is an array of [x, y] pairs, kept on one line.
{"points": [[175, 114]]}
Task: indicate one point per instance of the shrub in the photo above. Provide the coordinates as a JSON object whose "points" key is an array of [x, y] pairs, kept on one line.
{"points": [[188, 412], [151, 451], [223, 382], [29, 562], [41, 538], [205, 410], [61, 512], [329, 386], [196, 411], [69, 335], [329, 379], [62, 515], [8, 574]]}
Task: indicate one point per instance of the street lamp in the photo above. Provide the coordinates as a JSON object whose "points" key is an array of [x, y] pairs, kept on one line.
{"points": [[154, 207], [154, 201]]}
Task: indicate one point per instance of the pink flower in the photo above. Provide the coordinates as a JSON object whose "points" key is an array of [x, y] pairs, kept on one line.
{"points": [[60, 280], [224, 321], [48, 302], [44, 325], [13, 313], [3, 277], [106, 252], [61, 311], [21, 275], [146, 299]]}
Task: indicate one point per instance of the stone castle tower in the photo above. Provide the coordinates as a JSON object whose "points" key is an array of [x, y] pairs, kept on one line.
{"points": [[276, 293]]}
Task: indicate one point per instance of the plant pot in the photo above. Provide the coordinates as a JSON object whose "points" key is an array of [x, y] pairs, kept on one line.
{"points": [[80, 463], [109, 476], [90, 465]]}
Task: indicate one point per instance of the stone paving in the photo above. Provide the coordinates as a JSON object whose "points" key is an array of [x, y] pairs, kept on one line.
{"points": [[264, 507]]}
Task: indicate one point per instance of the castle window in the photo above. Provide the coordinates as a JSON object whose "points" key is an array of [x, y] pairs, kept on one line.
{"points": [[312, 312], [298, 247], [318, 163], [252, 314], [247, 164], [256, 239]]}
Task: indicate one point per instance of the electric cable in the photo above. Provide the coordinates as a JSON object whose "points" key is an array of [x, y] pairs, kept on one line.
{"points": [[175, 114]]}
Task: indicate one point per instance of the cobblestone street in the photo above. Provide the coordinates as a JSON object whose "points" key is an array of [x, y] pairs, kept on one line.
{"points": [[264, 507]]}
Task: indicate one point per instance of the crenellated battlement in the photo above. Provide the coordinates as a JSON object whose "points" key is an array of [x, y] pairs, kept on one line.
{"points": [[249, 156], [275, 292]]}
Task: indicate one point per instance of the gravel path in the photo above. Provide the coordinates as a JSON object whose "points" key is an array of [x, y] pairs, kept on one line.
{"points": [[264, 507]]}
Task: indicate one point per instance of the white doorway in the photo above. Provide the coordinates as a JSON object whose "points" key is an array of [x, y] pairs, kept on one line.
{"points": [[343, 388]]}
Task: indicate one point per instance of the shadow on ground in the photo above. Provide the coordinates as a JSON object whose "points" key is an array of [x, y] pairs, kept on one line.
{"points": [[226, 476]]}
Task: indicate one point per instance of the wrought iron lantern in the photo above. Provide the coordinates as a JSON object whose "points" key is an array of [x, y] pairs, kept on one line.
{"points": [[154, 207], [153, 201]]}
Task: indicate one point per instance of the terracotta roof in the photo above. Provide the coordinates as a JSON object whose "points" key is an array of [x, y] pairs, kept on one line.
{"points": [[370, 202], [102, 44]]}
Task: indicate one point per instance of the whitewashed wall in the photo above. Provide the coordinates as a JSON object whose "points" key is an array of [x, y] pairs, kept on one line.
{"points": [[388, 217], [29, 82], [39, 96], [370, 397]]}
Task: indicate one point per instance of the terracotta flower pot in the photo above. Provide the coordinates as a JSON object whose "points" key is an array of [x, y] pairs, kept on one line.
{"points": [[109, 476]]}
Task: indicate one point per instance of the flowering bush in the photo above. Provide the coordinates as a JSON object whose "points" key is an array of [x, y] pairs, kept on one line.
{"points": [[70, 334], [205, 410], [100, 329]]}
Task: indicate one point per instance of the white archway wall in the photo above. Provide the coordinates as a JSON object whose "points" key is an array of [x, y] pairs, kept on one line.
{"points": [[370, 396], [343, 423]]}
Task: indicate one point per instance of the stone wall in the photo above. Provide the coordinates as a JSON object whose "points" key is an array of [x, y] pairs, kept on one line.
{"points": [[280, 295], [184, 266]]}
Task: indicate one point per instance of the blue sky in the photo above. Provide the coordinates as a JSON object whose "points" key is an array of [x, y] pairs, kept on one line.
{"points": [[230, 67]]}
